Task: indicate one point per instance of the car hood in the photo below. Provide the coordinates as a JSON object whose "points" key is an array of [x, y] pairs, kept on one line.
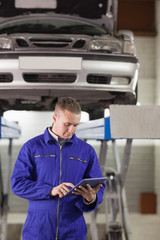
{"points": [[101, 12]]}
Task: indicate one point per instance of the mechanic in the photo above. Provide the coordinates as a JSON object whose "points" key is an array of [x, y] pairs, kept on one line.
{"points": [[47, 168]]}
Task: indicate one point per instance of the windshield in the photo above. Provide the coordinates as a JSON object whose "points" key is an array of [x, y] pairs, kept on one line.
{"points": [[50, 26]]}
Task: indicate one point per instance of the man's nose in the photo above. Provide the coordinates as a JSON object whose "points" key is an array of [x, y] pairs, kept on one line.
{"points": [[71, 128]]}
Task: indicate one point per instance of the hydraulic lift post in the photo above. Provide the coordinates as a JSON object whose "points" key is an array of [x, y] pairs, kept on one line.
{"points": [[8, 130]]}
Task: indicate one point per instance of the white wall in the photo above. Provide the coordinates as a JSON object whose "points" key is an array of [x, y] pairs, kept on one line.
{"points": [[147, 77], [157, 100]]}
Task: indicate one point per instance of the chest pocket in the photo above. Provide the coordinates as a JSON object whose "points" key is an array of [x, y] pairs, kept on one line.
{"points": [[42, 156], [78, 159], [46, 167], [76, 168]]}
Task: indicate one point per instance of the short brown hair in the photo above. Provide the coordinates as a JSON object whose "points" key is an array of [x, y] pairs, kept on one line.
{"points": [[69, 104]]}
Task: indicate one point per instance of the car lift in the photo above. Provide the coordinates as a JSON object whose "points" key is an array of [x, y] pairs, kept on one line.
{"points": [[8, 130], [125, 122]]}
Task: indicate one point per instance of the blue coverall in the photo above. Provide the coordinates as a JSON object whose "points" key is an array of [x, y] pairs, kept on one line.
{"points": [[43, 164]]}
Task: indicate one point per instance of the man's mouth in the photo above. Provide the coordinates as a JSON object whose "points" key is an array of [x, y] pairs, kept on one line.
{"points": [[68, 135]]}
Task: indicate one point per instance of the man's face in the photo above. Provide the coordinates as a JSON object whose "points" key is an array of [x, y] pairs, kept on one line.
{"points": [[65, 123]]}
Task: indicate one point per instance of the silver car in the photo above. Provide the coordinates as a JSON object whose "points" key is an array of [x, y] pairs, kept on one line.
{"points": [[65, 49]]}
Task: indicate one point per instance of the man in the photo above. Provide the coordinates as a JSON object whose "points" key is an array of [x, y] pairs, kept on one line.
{"points": [[46, 169]]}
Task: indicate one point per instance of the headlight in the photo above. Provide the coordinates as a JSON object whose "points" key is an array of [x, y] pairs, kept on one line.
{"points": [[117, 47], [120, 81], [5, 43], [129, 48], [106, 46]]}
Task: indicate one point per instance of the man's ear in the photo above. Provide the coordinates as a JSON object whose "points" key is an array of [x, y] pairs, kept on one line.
{"points": [[54, 117]]}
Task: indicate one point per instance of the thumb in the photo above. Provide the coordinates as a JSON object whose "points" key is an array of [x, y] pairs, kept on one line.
{"points": [[97, 187]]}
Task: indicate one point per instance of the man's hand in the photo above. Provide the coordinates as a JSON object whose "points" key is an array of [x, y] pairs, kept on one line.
{"points": [[88, 193], [61, 189]]}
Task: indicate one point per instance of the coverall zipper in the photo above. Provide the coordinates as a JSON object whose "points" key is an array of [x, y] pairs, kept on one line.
{"points": [[60, 146]]}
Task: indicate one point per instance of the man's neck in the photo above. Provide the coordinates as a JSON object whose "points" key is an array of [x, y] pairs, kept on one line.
{"points": [[52, 133]]}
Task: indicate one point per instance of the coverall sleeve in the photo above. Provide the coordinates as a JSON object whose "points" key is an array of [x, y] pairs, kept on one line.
{"points": [[93, 170], [23, 179]]}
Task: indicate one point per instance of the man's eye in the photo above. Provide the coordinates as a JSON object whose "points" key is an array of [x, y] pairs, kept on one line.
{"points": [[67, 124]]}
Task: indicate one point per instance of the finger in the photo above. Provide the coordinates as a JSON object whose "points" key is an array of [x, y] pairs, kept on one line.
{"points": [[63, 191], [60, 193], [82, 188], [97, 187], [68, 184], [88, 187], [77, 191], [65, 188]]}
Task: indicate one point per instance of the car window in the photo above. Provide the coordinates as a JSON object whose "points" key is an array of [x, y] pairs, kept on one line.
{"points": [[51, 26]]}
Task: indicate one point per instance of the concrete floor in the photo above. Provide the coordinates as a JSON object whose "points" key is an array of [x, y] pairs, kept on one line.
{"points": [[145, 227], [142, 226]]}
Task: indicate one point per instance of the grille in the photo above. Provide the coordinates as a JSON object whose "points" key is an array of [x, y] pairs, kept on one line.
{"points": [[54, 43], [51, 43], [99, 79], [21, 42], [79, 44], [49, 77], [6, 77]]}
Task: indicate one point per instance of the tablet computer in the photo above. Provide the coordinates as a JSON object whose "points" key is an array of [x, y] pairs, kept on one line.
{"points": [[93, 182]]}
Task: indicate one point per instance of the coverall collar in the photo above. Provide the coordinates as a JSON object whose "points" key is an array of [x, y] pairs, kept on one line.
{"points": [[48, 137]]}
